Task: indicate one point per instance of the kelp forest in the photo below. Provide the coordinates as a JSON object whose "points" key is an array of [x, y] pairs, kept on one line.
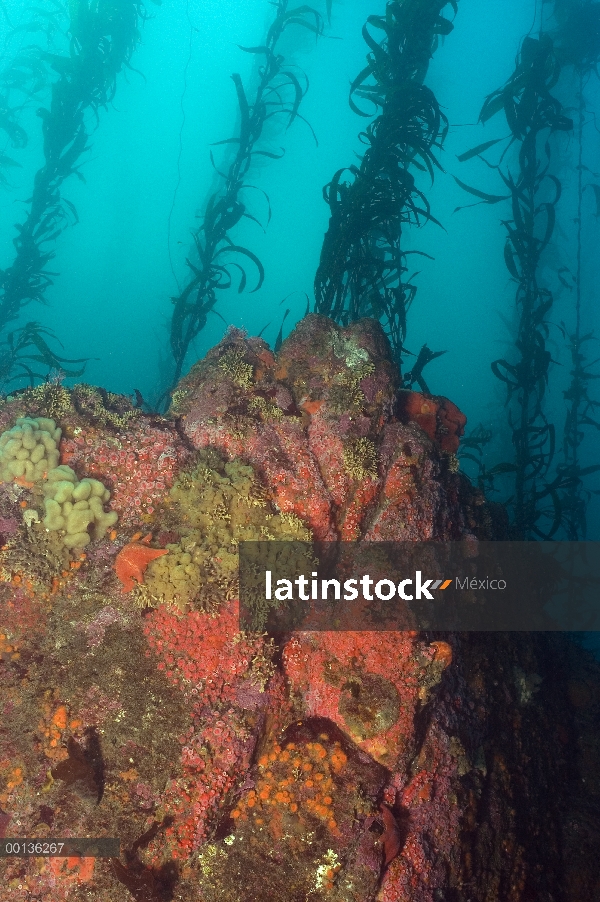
{"points": [[98, 41], [299, 450], [62, 70]]}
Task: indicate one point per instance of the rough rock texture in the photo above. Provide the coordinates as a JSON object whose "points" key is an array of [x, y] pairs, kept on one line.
{"points": [[349, 766]]}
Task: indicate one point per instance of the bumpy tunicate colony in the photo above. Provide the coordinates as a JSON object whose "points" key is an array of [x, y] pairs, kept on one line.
{"points": [[29, 450], [73, 507]]}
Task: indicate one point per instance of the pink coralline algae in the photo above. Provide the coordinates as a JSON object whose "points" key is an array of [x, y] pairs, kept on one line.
{"points": [[96, 628], [8, 526], [95, 707], [139, 466], [433, 818], [370, 689]]}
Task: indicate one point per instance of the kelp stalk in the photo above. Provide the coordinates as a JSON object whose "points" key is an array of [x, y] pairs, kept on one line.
{"points": [[279, 92], [102, 37], [533, 114], [363, 267], [577, 39]]}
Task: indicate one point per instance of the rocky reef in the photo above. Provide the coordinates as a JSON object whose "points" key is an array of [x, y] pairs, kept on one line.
{"points": [[342, 766]]}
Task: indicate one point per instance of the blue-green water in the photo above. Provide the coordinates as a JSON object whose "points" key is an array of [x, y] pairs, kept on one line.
{"points": [[148, 173]]}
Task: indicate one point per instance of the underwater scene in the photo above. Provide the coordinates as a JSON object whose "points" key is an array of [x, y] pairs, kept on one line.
{"points": [[299, 451]]}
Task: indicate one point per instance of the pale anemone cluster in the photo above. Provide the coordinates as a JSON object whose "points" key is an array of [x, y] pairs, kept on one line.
{"points": [[73, 507]]}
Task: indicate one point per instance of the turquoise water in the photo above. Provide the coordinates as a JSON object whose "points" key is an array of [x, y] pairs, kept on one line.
{"points": [[148, 174]]}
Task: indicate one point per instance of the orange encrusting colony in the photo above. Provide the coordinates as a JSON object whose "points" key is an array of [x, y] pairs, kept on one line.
{"points": [[75, 869], [8, 648], [53, 726], [294, 779]]}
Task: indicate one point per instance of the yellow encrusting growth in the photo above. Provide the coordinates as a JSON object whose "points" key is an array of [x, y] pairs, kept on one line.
{"points": [[213, 508], [360, 459]]}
